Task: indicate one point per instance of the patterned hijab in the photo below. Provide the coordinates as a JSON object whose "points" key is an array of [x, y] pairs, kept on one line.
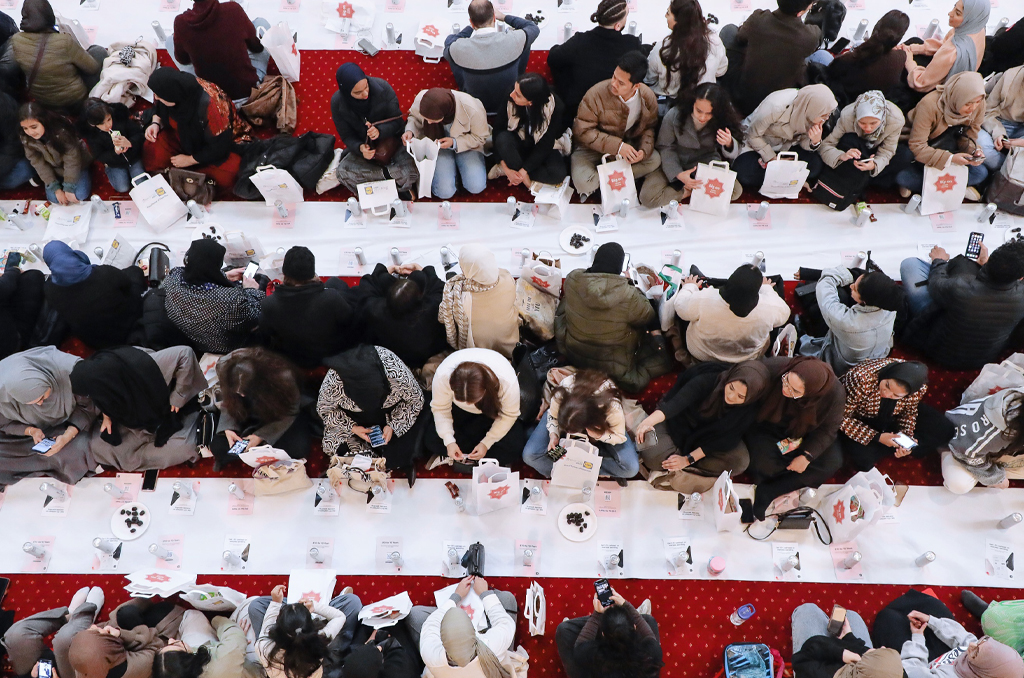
{"points": [[871, 104], [975, 18], [25, 377], [480, 273]]}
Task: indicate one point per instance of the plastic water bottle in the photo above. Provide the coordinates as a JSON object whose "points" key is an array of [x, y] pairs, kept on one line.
{"points": [[850, 561], [1010, 520], [160, 552], [925, 558], [742, 614], [33, 550]]}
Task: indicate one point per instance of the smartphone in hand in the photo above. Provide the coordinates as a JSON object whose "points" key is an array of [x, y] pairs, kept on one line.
{"points": [[974, 245], [604, 592]]}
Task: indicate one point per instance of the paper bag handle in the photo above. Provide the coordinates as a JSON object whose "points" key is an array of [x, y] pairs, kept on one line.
{"points": [[487, 460], [788, 155], [265, 167], [604, 158], [139, 179], [719, 164]]}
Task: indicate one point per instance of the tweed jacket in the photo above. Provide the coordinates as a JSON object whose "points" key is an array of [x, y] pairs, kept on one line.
{"points": [[863, 402]]}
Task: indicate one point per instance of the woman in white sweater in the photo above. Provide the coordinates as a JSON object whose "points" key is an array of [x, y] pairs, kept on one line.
{"points": [[730, 324], [692, 51], [293, 639], [475, 403]]}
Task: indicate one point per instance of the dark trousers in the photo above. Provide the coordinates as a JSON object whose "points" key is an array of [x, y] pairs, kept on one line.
{"points": [[21, 299], [510, 148], [565, 640], [470, 429], [768, 469], [297, 440], [892, 630], [932, 431], [751, 175]]}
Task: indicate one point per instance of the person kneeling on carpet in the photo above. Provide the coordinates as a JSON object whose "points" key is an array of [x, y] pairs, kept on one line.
{"points": [[587, 403], [847, 653], [699, 425], [295, 638], [615, 641], [452, 647]]}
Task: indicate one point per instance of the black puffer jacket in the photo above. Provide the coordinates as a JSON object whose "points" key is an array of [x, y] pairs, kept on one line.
{"points": [[974, 317], [383, 105], [307, 323]]}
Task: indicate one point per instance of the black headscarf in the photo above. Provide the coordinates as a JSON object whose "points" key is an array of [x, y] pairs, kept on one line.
{"points": [[362, 376], [37, 17], [189, 99], [911, 374], [608, 259], [742, 290], [127, 385], [364, 661], [349, 75], [203, 262]]}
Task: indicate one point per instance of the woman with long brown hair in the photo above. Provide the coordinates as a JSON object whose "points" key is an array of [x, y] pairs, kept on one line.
{"points": [[690, 55], [874, 64], [793, 444], [475, 403], [259, 401], [587, 403]]}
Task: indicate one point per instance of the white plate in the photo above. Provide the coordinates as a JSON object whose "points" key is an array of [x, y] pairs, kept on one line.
{"points": [[124, 532], [571, 532], [566, 235]]}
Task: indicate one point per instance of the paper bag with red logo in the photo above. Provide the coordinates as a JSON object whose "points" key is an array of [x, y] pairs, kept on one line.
{"points": [[714, 196], [280, 44], [617, 184], [315, 585], [943, 189], [494, 487], [387, 612], [725, 504], [537, 292]]}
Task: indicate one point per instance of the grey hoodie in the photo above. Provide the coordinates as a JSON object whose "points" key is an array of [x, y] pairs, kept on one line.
{"points": [[980, 437]]}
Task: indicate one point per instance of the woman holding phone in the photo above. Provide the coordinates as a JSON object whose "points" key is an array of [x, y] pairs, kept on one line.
{"points": [[884, 413]]}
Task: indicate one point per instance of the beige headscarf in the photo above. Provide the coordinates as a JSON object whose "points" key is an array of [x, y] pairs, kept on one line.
{"points": [[880, 663], [480, 273], [810, 104], [1006, 100], [959, 91], [462, 645]]}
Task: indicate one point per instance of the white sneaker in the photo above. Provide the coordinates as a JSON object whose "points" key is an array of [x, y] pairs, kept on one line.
{"points": [[78, 599], [97, 598], [972, 194], [645, 607]]}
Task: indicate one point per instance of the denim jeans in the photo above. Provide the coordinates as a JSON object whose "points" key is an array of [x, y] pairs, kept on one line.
{"points": [[617, 461], [809, 621], [822, 56], [82, 188], [19, 174], [994, 159], [913, 271], [121, 177], [259, 61], [912, 178], [470, 166]]}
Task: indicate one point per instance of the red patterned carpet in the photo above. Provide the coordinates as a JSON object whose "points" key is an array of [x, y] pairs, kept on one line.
{"points": [[693, 615]]}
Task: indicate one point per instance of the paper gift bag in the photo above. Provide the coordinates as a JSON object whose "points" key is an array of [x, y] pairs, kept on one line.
{"points": [[856, 505], [537, 293], [617, 184], [580, 465], [536, 609], [725, 504], [349, 16], [424, 154], [276, 184], [784, 177], [241, 249], [69, 224], [315, 585], [158, 204], [377, 196], [715, 195], [280, 45], [556, 197], [471, 605], [943, 189], [210, 598], [494, 487], [996, 377], [387, 612], [429, 41]]}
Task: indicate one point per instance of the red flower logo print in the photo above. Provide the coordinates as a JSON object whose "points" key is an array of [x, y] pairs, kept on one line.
{"points": [[265, 460], [616, 181], [498, 493], [310, 595], [157, 577], [537, 282], [945, 183], [839, 512], [468, 609], [431, 30], [345, 10], [380, 610], [713, 188]]}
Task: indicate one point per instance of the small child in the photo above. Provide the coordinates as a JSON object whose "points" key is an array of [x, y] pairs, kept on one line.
{"points": [[114, 139]]}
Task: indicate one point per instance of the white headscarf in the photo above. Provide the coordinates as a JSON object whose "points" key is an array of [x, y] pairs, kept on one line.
{"points": [[975, 19], [26, 376], [871, 104]]}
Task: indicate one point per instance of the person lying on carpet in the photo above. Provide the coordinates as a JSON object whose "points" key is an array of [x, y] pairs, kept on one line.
{"points": [[204, 649], [617, 641], [475, 404], [699, 425], [988, 439], [586, 403], [295, 639], [818, 654], [883, 401], [731, 323], [25, 640], [1001, 620], [449, 641], [793, 444]]}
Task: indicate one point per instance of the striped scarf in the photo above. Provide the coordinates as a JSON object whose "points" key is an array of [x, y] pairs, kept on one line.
{"points": [[453, 313]]}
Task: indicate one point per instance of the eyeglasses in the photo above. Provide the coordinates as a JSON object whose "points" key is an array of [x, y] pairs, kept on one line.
{"points": [[793, 393]]}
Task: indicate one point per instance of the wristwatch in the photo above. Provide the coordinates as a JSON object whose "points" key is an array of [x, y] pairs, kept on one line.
{"points": [[691, 461]]}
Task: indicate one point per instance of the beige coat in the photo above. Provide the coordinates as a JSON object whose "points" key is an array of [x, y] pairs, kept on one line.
{"points": [[1005, 101], [927, 123], [493, 318], [767, 129], [894, 122], [601, 121], [470, 129]]}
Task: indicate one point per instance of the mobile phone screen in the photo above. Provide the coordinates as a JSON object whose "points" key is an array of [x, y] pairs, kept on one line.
{"points": [[604, 592], [239, 447], [904, 441], [45, 669], [250, 270], [974, 245], [44, 445], [149, 480]]}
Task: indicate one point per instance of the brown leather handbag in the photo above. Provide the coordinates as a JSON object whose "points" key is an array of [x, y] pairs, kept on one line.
{"points": [[189, 185], [386, 148]]}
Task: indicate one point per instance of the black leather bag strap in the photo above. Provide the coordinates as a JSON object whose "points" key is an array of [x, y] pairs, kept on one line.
{"points": [[39, 60]]}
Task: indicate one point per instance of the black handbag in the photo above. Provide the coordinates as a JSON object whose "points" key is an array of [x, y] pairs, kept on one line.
{"points": [[473, 560], [797, 519], [206, 428]]}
